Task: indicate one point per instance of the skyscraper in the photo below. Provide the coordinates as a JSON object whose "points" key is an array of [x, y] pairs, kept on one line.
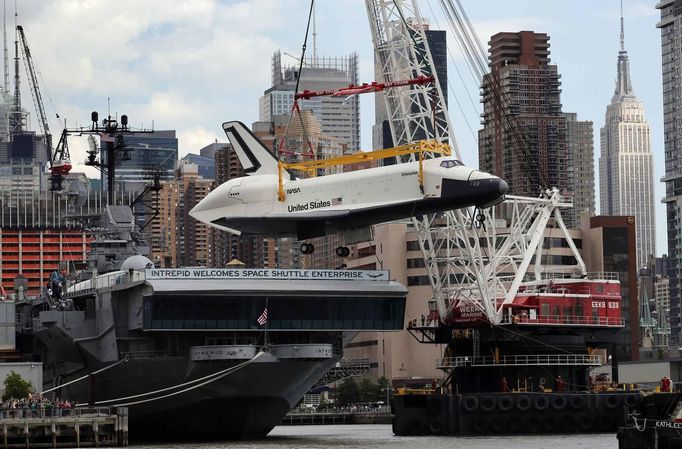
{"points": [[178, 240], [339, 117], [671, 46], [580, 154], [524, 138], [146, 154], [205, 164], [626, 177], [226, 246]]}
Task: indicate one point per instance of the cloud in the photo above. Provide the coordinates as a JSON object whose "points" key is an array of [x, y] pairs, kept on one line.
{"points": [[641, 10], [192, 140], [487, 28], [185, 63]]}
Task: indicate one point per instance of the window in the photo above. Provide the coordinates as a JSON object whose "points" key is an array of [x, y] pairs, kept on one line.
{"points": [[418, 280], [450, 164], [413, 245], [367, 251], [415, 263], [284, 312]]}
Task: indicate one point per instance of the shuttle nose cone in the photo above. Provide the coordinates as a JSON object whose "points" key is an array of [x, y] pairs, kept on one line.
{"points": [[196, 210], [502, 186], [204, 210]]}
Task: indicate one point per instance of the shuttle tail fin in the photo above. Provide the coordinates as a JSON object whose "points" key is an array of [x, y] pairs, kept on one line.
{"points": [[255, 157]]}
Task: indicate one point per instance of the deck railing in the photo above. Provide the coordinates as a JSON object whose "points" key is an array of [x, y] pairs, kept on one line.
{"points": [[565, 320], [520, 360], [25, 411], [150, 354], [106, 281]]}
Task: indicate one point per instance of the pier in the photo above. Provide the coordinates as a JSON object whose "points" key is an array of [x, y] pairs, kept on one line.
{"points": [[344, 415], [78, 427]]}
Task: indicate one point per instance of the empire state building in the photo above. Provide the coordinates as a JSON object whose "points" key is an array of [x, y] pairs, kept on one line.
{"points": [[626, 176]]}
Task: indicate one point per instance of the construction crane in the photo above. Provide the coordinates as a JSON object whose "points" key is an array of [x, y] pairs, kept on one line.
{"points": [[461, 269], [58, 159]]}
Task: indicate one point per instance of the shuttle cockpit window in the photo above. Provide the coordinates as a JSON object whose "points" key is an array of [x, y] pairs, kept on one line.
{"points": [[450, 164]]}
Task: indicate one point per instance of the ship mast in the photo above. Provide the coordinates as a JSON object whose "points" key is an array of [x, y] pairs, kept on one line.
{"points": [[5, 92], [6, 56], [16, 125]]}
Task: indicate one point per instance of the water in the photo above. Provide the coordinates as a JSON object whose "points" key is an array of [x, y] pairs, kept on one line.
{"points": [[380, 436]]}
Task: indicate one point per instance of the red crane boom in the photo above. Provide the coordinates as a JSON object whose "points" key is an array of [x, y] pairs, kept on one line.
{"points": [[355, 89]]}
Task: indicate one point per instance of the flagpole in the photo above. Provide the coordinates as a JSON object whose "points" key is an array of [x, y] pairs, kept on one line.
{"points": [[266, 346]]}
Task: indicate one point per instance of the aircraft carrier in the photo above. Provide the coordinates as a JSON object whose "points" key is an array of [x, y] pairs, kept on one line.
{"points": [[183, 348]]}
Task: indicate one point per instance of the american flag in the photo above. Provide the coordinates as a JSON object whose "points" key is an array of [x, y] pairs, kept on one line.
{"points": [[263, 318], [337, 201]]}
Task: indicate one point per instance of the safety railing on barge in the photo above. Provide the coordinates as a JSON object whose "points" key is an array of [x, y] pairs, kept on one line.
{"points": [[565, 320], [521, 360]]}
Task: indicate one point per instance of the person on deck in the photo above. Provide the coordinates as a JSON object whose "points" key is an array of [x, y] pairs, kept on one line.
{"points": [[560, 384], [57, 281], [504, 387]]}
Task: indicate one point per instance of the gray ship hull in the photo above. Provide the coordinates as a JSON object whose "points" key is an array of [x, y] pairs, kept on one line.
{"points": [[247, 403]]}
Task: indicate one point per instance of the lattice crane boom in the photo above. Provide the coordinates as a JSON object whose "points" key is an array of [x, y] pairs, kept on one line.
{"points": [[35, 92], [414, 112]]}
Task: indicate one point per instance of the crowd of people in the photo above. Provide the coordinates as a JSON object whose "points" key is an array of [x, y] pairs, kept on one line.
{"points": [[35, 405]]}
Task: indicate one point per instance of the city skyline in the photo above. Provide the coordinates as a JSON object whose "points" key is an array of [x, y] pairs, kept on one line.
{"points": [[196, 65]]}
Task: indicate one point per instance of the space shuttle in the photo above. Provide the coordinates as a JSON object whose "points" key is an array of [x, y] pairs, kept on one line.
{"points": [[336, 203]]}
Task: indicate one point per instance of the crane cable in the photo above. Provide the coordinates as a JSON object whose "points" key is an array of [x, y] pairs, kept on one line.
{"points": [[476, 58], [452, 89], [470, 45], [295, 107]]}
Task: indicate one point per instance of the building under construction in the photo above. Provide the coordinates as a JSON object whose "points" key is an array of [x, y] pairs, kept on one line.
{"points": [[39, 233], [339, 117]]}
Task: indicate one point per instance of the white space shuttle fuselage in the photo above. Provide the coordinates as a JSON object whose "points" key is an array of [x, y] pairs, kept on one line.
{"points": [[326, 204]]}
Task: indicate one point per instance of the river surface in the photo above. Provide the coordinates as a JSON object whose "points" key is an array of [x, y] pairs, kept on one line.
{"points": [[380, 436]]}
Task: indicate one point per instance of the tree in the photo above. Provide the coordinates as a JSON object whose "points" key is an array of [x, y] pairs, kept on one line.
{"points": [[367, 390], [383, 387], [347, 392], [16, 387]]}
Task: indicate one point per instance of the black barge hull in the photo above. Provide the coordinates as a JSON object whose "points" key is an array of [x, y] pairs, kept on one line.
{"points": [[512, 413]]}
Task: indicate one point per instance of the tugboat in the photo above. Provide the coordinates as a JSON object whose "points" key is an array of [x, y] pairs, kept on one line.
{"points": [[655, 424]]}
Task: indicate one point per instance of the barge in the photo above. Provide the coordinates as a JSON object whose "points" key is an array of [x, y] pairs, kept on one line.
{"points": [[528, 374]]}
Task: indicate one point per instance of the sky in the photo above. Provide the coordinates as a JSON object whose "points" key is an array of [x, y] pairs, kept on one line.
{"points": [[191, 65]]}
